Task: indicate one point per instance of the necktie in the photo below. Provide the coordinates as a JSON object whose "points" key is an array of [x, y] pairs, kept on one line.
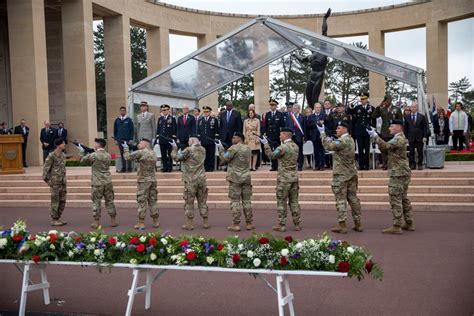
{"points": [[184, 119], [413, 119], [143, 115], [60, 132], [228, 116]]}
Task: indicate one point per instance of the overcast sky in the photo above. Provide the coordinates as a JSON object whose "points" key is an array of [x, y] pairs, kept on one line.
{"points": [[407, 46]]}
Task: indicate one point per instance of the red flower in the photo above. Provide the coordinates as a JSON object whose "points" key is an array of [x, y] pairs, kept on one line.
{"points": [[36, 258], [369, 265], [141, 248], [78, 238], [134, 240], [264, 240], [184, 243], [190, 256], [17, 238], [112, 241], [289, 238], [32, 237], [220, 247], [343, 266], [53, 238], [152, 242], [283, 261], [235, 258]]}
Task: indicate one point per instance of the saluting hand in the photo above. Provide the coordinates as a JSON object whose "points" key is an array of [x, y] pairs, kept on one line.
{"points": [[321, 128]]}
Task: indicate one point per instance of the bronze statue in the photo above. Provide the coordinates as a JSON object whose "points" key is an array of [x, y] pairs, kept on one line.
{"points": [[318, 63]]}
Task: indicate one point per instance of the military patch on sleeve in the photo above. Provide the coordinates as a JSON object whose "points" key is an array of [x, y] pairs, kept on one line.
{"points": [[393, 141], [337, 142], [180, 154], [277, 152], [227, 154]]}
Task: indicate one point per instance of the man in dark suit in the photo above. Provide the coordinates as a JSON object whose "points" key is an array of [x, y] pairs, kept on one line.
{"points": [[123, 131], [416, 130], [47, 137], [312, 134], [24, 130], [295, 118], [167, 127], [361, 120], [197, 117], [208, 130], [230, 123], [186, 127], [61, 132], [4, 130], [274, 122]]}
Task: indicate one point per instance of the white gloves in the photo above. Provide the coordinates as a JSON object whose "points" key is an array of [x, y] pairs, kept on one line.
{"points": [[81, 149], [125, 145], [264, 140], [321, 128], [371, 131], [173, 143]]}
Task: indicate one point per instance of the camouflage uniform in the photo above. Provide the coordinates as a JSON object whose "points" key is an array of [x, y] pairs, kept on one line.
{"points": [[344, 182], [287, 180], [400, 175], [54, 173], [238, 175], [194, 178], [146, 186], [101, 182]]}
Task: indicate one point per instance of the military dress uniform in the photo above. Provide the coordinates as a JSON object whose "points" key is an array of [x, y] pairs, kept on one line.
{"points": [[240, 186], [167, 127], [361, 120], [194, 179], [345, 179], [54, 174], [208, 130], [399, 179], [287, 181], [101, 183], [274, 122], [146, 183], [387, 115]]}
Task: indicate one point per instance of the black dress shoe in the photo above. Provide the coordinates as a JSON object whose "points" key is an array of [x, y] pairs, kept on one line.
{"points": [[300, 169], [273, 169]]}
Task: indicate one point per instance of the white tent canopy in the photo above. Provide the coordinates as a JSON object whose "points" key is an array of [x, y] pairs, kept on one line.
{"points": [[248, 48]]}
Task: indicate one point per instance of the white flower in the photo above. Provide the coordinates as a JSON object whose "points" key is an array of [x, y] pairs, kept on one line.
{"points": [[298, 246], [133, 261], [3, 242], [256, 262], [143, 238], [250, 254], [284, 252], [240, 246], [331, 259], [153, 257], [209, 260], [55, 232], [52, 247], [350, 250], [97, 252], [93, 239], [70, 253], [164, 241]]}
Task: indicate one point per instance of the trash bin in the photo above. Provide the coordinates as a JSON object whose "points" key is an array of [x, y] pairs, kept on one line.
{"points": [[435, 156]]}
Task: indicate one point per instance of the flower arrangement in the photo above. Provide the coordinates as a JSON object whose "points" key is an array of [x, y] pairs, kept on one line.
{"points": [[255, 252]]}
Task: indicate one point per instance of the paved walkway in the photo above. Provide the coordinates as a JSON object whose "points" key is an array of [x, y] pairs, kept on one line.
{"points": [[427, 272]]}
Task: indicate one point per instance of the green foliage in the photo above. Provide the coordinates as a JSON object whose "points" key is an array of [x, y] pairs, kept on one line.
{"points": [[459, 88], [459, 157], [240, 92], [400, 91]]}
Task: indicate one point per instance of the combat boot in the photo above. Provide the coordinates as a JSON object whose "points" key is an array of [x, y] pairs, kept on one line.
{"points": [[188, 225], [156, 224], [357, 227], [95, 224], [56, 222], [279, 228], [205, 223], [341, 228], [409, 227], [297, 227], [234, 228], [140, 224], [62, 222], [393, 230], [249, 226], [113, 221]]}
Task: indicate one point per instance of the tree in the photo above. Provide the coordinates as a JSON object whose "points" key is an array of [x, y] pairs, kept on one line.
{"points": [[138, 52], [240, 92], [458, 88], [400, 91]]}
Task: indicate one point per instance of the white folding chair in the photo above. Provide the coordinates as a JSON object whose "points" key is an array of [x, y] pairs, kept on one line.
{"points": [[157, 151], [374, 151], [308, 150]]}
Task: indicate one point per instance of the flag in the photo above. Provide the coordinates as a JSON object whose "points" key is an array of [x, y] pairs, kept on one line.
{"points": [[433, 109], [449, 107], [297, 124]]}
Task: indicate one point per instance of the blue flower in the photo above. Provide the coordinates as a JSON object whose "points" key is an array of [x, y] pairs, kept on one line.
{"points": [[6, 232]]}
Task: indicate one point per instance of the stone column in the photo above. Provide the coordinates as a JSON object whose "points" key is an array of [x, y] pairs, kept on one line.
{"points": [[437, 62], [261, 87], [157, 49], [376, 81], [29, 73], [118, 75], [79, 72], [211, 100]]}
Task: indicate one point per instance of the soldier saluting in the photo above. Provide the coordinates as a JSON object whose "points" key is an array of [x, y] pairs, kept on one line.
{"points": [[345, 179], [287, 181], [238, 175], [400, 175], [208, 130], [274, 122], [101, 181]]}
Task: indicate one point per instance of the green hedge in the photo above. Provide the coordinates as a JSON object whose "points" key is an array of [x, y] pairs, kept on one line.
{"points": [[459, 157]]}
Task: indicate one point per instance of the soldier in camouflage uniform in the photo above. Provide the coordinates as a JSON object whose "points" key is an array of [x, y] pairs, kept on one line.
{"points": [[344, 182], [194, 179], [238, 175], [400, 175], [146, 186], [54, 174], [101, 182], [287, 179]]}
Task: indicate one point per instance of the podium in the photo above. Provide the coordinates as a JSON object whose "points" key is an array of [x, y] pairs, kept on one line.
{"points": [[10, 154]]}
